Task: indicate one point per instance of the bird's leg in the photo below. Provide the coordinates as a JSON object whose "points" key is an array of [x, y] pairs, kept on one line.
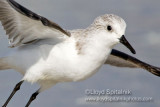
{"points": [[33, 97], [16, 88]]}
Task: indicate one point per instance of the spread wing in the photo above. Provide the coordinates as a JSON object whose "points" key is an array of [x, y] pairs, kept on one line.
{"points": [[121, 59], [23, 26]]}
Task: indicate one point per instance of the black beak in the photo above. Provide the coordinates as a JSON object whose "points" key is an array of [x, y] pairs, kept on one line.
{"points": [[124, 41]]}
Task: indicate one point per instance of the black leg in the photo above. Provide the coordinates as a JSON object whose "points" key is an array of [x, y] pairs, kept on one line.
{"points": [[33, 97], [16, 88]]}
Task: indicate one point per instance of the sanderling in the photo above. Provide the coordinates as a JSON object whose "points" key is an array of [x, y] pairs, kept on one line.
{"points": [[45, 53]]}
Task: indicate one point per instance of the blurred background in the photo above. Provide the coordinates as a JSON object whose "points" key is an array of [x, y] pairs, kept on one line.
{"points": [[143, 32]]}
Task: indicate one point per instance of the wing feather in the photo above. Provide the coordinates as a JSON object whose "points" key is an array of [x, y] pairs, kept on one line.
{"points": [[120, 59], [23, 26]]}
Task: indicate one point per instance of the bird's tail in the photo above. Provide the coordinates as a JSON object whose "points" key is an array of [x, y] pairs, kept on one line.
{"points": [[4, 63]]}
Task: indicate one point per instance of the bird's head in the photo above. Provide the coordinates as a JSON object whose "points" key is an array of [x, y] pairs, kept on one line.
{"points": [[112, 28]]}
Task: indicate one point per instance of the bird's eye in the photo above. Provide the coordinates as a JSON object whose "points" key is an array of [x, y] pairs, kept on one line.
{"points": [[109, 28]]}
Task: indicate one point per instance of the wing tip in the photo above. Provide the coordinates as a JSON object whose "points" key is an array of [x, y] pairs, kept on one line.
{"points": [[154, 70]]}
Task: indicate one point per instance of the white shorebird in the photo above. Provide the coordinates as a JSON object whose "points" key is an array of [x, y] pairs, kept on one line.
{"points": [[47, 54]]}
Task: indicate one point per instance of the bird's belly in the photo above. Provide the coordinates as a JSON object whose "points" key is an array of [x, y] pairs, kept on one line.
{"points": [[61, 71], [74, 70]]}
